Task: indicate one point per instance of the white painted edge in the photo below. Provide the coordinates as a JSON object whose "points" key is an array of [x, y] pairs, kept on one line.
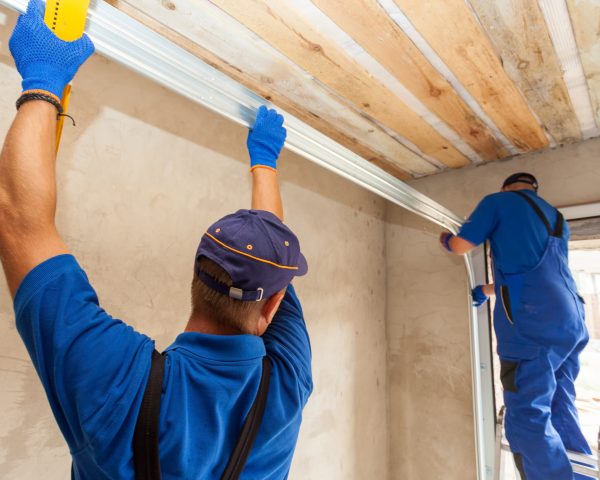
{"points": [[482, 371], [558, 21]]}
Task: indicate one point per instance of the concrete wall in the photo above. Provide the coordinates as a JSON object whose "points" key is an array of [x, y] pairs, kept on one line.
{"points": [[431, 422], [140, 178]]}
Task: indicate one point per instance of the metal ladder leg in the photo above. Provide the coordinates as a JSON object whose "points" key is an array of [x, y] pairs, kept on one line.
{"points": [[583, 464], [498, 446]]}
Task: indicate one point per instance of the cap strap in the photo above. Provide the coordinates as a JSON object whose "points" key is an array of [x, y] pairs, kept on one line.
{"points": [[233, 292]]}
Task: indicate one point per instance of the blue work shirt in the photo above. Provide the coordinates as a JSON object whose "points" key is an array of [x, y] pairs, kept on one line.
{"points": [[94, 369], [517, 235]]}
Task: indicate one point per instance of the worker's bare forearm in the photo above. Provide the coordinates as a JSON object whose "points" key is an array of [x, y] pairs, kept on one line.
{"points": [[460, 246], [27, 167], [28, 234], [265, 191], [489, 290]]}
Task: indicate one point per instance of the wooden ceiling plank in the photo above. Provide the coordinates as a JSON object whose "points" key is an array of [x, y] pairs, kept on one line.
{"points": [[371, 27], [202, 29], [281, 26], [520, 36], [585, 16], [452, 30]]}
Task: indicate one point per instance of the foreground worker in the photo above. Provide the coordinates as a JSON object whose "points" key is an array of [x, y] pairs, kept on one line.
{"points": [[96, 369], [539, 322]]}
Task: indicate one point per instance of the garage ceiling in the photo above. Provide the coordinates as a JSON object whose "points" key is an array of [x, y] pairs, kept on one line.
{"points": [[415, 86]]}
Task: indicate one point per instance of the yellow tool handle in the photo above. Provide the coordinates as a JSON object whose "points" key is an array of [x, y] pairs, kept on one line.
{"points": [[66, 18], [61, 120]]}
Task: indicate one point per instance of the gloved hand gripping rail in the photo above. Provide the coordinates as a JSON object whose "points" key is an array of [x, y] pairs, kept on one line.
{"points": [[48, 75]]}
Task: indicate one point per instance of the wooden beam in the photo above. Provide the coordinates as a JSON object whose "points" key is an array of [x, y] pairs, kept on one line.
{"points": [[279, 24], [207, 32], [452, 30], [585, 16], [370, 26], [519, 34]]}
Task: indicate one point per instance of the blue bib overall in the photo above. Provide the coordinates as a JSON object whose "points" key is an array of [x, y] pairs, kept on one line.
{"points": [[540, 326]]}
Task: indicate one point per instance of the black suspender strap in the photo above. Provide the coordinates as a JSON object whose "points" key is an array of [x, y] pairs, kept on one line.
{"points": [[537, 210], [558, 229], [560, 225], [146, 457], [250, 429]]}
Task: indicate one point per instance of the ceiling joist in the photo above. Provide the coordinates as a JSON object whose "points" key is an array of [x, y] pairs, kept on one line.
{"points": [[519, 34], [370, 25], [585, 17], [208, 33], [457, 37], [280, 25], [414, 87]]}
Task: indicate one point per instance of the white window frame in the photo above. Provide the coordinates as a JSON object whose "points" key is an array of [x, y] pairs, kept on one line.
{"points": [[579, 212]]}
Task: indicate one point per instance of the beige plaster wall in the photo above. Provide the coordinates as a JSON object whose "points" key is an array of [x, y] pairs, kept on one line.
{"points": [[431, 422], [140, 178]]}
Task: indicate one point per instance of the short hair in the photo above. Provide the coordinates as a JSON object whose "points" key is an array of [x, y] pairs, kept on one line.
{"points": [[237, 314]]}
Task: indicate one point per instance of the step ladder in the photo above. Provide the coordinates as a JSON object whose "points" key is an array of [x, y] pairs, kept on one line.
{"points": [[585, 465]]}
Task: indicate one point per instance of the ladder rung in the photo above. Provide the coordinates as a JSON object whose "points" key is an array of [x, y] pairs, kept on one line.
{"points": [[589, 471]]}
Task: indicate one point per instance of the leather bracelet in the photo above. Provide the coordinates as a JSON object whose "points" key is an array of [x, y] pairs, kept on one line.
{"points": [[32, 95]]}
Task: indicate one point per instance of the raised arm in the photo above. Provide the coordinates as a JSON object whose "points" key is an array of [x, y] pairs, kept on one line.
{"points": [[265, 141], [476, 230], [454, 244], [28, 234]]}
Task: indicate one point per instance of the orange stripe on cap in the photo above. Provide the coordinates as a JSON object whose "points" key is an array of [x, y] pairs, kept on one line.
{"points": [[286, 267]]}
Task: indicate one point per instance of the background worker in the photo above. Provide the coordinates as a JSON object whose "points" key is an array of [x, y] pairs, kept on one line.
{"points": [[95, 368], [539, 322]]}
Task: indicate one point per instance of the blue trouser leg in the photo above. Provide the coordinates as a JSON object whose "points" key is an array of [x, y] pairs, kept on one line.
{"points": [[564, 412], [529, 428]]}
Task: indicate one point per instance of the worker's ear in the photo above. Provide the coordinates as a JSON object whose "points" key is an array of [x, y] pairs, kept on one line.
{"points": [[269, 310]]}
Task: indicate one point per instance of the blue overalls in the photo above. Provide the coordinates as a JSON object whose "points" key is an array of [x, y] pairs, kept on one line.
{"points": [[540, 326]]}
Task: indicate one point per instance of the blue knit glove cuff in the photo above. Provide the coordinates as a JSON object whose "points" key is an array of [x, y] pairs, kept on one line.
{"points": [[44, 77], [44, 61], [446, 241], [266, 138]]}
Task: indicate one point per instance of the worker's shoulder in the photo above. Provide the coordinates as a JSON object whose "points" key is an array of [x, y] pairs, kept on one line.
{"points": [[507, 198], [492, 200], [499, 196]]}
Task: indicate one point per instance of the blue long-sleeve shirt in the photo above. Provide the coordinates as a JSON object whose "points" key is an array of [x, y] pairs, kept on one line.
{"points": [[94, 369], [517, 236]]}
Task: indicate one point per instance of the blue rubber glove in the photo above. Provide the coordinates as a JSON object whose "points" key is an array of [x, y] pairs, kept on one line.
{"points": [[44, 61], [479, 298], [266, 139], [445, 238]]}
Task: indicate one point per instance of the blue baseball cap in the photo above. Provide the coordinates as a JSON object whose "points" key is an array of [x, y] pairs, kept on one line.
{"points": [[256, 249], [521, 177]]}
